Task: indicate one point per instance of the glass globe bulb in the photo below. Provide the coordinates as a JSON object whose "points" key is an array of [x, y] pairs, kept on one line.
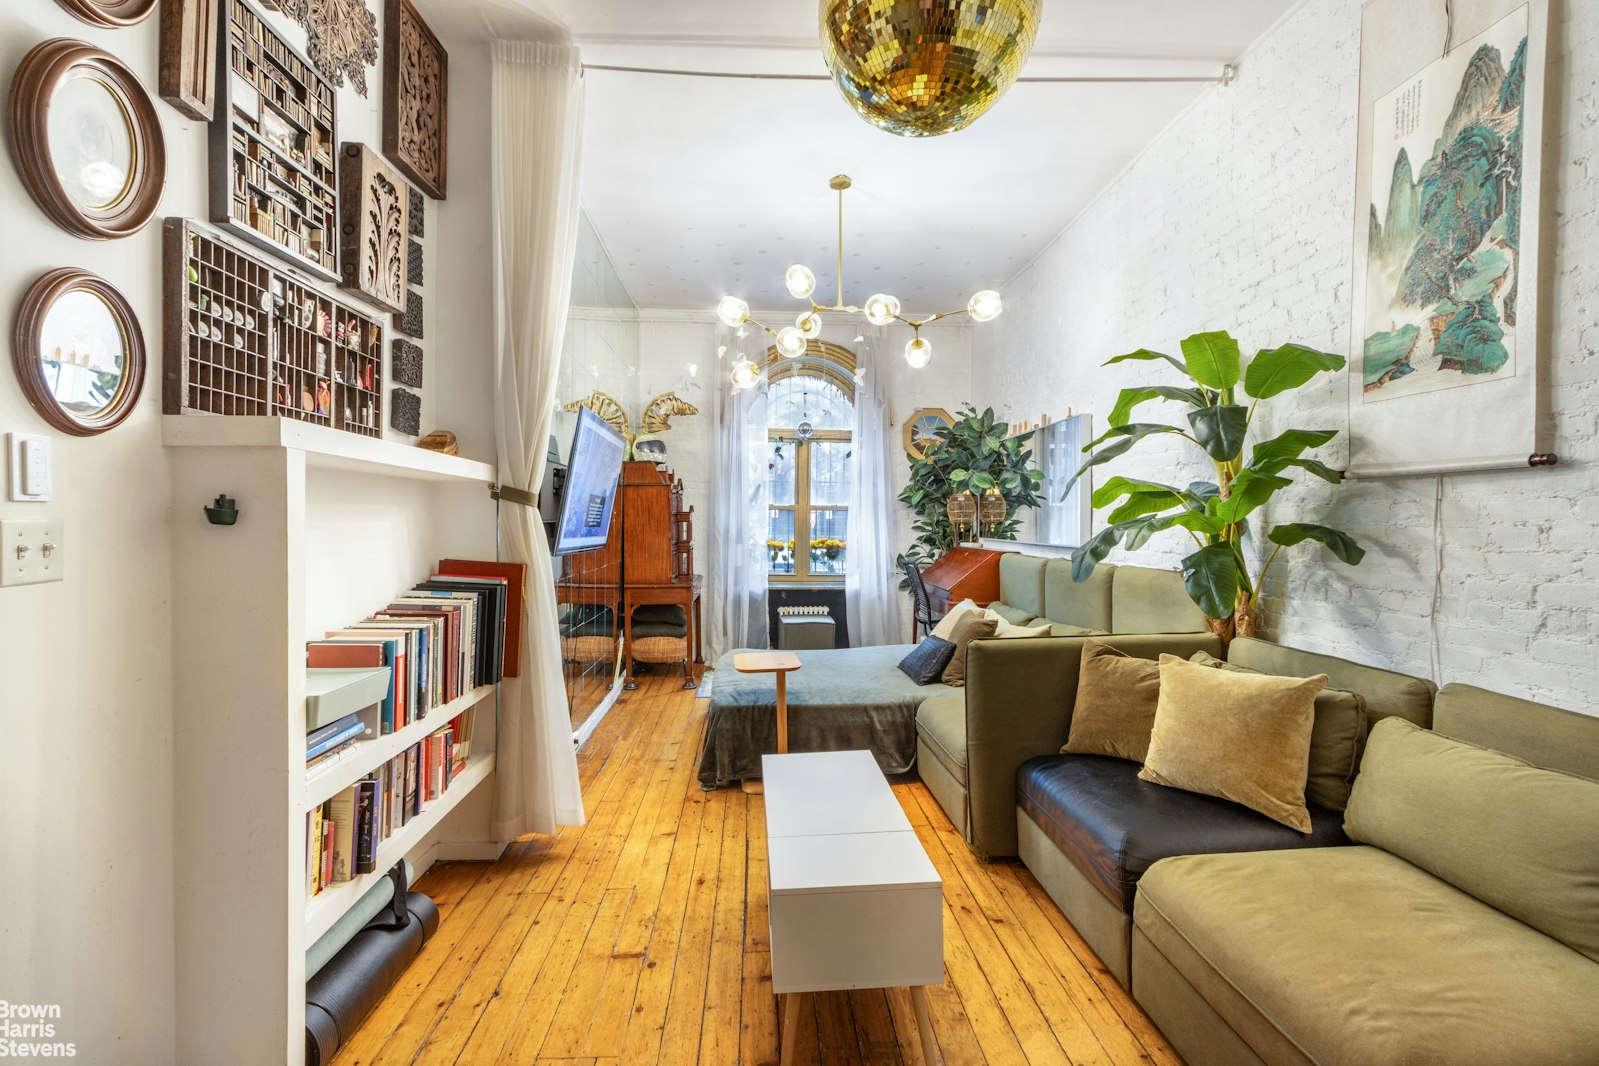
{"points": [[733, 311], [810, 324], [745, 374], [800, 281], [791, 342], [985, 306], [918, 352], [882, 309]]}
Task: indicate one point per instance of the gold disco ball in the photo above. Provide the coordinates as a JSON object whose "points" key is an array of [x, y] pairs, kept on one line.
{"points": [[919, 68]]}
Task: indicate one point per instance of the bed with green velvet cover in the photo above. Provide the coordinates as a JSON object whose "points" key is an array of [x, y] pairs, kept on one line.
{"points": [[843, 699]]}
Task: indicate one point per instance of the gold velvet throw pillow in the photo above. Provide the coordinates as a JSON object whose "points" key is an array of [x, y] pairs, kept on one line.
{"points": [[945, 629], [972, 626], [1240, 737], [1116, 699], [1336, 737]]}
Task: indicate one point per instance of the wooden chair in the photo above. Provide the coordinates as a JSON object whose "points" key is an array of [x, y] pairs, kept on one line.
{"points": [[921, 606]]}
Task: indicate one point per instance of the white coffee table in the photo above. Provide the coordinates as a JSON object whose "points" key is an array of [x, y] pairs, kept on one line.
{"points": [[854, 900]]}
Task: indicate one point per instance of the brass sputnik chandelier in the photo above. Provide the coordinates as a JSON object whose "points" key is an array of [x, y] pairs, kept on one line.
{"points": [[880, 310], [920, 68]]}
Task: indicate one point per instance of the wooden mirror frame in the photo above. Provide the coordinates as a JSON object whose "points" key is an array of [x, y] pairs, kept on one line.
{"points": [[110, 13], [39, 74], [26, 337]]}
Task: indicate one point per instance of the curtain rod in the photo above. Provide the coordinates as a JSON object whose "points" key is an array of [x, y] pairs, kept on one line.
{"points": [[1222, 78]]}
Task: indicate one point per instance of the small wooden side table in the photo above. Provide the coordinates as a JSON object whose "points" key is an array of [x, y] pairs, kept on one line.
{"points": [[780, 664]]}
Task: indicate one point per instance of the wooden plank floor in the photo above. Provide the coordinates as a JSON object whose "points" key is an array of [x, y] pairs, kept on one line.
{"points": [[641, 938]]}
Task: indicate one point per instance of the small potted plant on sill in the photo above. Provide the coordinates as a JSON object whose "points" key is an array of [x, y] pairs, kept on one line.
{"points": [[1215, 514]]}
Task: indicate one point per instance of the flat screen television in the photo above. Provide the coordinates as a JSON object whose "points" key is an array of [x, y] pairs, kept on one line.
{"points": [[592, 473]]}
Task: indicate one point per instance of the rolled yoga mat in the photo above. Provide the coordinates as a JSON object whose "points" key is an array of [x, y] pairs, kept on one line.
{"points": [[353, 921], [355, 980]]}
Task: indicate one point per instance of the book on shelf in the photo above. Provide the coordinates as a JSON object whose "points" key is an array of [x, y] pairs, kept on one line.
{"points": [[511, 579], [344, 652], [352, 728], [345, 752], [317, 736], [345, 834], [342, 812]]}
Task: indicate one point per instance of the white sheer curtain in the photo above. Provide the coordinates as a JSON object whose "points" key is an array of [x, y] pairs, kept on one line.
{"points": [[871, 593], [735, 592], [537, 128]]}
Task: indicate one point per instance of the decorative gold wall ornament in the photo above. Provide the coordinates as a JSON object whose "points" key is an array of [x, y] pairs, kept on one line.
{"points": [[880, 310], [921, 68], [341, 37], [416, 81], [658, 415]]}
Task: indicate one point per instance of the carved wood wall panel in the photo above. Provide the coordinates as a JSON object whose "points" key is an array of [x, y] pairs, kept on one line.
{"points": [[415, 98], [406, 363], [341, 37], [373, 241], [405, 412]]}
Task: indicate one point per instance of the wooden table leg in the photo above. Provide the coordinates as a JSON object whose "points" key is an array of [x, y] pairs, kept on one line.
{"points": [[924, 1024], [699, 629], [628, 684], [782, 713], [785, 1039]]}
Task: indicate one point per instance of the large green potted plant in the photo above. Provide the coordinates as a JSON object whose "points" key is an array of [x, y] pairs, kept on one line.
{"points": [[975, 453], [1216, 514]]}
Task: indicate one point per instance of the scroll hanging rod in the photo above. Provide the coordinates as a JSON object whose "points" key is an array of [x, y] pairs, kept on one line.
{"points": [[1224, 77]]}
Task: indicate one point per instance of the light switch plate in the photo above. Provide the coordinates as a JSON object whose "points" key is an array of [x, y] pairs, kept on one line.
{"points": [[32, 552], [32, 479]]}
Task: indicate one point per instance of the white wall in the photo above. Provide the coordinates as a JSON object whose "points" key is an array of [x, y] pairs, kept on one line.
{"points": [[86, 665], [671, 341], [1240, 217]]}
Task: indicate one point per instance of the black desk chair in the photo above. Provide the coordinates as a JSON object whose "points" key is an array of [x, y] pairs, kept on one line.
{"points": [[921, 606]]}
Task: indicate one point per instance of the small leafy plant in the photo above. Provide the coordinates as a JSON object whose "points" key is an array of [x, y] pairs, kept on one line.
{"points": [[976, 453], [1216, 514]]}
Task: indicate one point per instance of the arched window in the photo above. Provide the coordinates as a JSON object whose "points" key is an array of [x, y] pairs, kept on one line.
{"points": [[810, 412]]}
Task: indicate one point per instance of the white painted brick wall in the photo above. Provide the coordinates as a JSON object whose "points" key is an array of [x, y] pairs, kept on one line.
{"points": [[1239, 216]]}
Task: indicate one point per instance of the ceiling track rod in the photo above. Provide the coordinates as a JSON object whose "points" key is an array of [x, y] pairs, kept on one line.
{"points": [[1222, 77]]}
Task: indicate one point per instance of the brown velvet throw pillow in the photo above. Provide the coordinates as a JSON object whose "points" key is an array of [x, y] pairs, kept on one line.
{"points": [[972, 626], [1241, 737], [1336, 738], [1116, 699]]}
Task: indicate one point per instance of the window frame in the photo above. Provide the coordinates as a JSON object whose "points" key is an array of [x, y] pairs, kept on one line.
{"points": [[835, 365]]}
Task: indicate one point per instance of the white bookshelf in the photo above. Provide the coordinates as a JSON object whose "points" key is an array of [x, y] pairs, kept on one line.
{"points": [[322, 784], [330, 523], [323, 909]]}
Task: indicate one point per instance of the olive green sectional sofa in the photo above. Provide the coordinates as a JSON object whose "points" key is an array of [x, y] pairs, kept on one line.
{"points": [[1463, 927], [1088, 828], [1019, 692]]}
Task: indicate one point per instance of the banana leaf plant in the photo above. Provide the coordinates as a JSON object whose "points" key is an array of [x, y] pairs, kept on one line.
{"points": [[1216, 514]]}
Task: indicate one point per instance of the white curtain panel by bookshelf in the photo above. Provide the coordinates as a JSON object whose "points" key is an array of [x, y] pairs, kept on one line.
{"points": [[735, 593], [537, 125], [871, 593]]}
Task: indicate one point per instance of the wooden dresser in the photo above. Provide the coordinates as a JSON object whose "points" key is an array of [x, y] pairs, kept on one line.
{"points": [[960, 574]]}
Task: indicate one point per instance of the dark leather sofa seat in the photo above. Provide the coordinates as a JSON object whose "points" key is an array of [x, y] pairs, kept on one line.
{"points": [[1113, 827]]}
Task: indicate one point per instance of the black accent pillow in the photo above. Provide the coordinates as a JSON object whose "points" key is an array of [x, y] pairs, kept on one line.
{"points": [[925, 664], [663, 613]]}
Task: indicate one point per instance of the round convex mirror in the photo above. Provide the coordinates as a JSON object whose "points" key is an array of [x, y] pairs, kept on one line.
{"points": [[78, 352]]}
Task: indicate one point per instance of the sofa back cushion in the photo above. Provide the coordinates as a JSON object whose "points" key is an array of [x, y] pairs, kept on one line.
{"points": [[1336, 738], [1516, 836], [1144, 600], [1385, 692], [1021, 582], [1543, 735], [1070, 604]]}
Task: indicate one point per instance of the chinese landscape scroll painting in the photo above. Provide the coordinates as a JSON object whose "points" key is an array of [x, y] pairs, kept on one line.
{"points": [[1443, 263]]}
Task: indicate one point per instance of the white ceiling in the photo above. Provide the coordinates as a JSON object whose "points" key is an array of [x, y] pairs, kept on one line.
{"points": [[703, 186]]}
